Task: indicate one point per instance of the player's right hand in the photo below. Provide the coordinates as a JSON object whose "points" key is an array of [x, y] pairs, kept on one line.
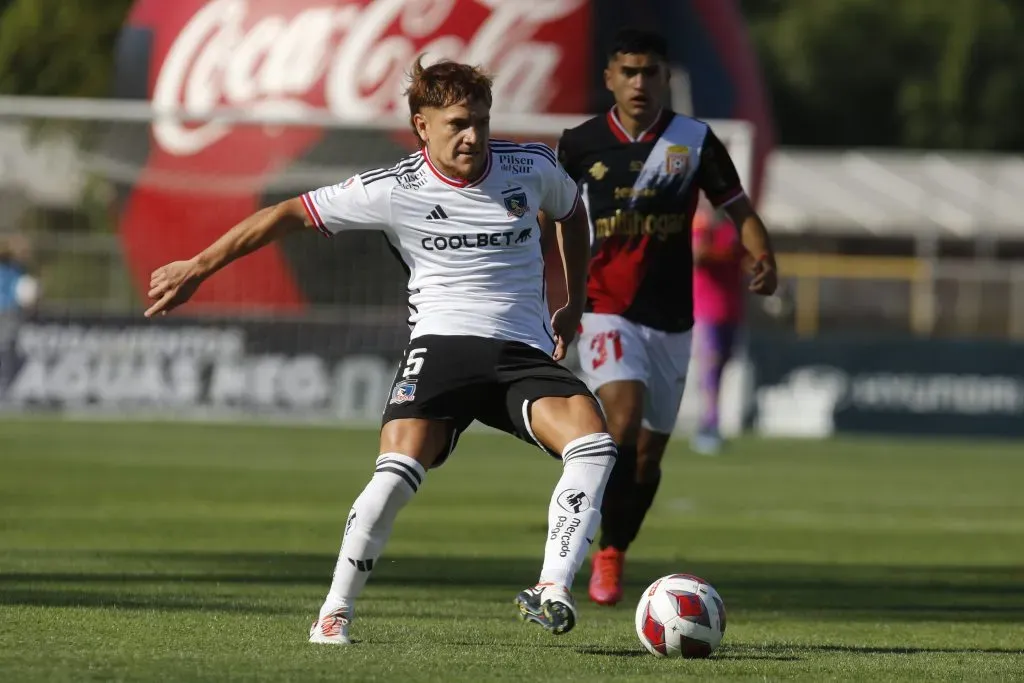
{"points": [[172, 285], [564, 322], [766, 277]]}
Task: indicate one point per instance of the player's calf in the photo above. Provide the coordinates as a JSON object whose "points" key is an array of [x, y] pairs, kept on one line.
{"points": [[395, 480], [573, 517], [574, 512]]}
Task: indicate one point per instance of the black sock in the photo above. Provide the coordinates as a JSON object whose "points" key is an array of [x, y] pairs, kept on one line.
{"points": [[639, 504], [616, 508]]}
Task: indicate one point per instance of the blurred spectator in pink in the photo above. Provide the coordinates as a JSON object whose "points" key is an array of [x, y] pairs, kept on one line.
{"points": [[718, 284]]}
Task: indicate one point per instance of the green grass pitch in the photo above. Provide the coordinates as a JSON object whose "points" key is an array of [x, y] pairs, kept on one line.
{"points": [[183, 552]]}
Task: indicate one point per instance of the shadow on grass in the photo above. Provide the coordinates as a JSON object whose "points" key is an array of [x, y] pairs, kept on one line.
{"points": [[817, 591], [914, 650], [194, 601], [793, 652]]}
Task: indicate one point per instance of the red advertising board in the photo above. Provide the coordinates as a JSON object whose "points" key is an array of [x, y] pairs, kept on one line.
{"points": [[348, 57]]}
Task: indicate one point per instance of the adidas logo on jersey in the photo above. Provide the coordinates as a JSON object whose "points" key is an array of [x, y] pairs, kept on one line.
{"points": [[437, 214]]}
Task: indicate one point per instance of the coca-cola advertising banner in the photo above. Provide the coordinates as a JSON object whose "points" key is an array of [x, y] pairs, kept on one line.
{"points": [[200, 368], [348, 57]]}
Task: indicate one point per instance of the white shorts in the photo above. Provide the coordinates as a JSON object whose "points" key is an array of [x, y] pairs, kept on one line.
{"points": [[613, 349]]}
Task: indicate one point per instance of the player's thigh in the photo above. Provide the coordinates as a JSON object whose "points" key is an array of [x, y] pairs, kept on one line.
{"points": [[611, 349], [670, 360], [433, 397], [544, 403]]}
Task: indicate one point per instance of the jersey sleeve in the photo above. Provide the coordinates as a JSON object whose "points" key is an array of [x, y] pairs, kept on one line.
{"points": [[568, 158], [717, 174], [560, 193], [355, 204]]}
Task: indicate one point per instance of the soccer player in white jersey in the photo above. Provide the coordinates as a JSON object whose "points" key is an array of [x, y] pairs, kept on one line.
{"points": [[461, 213]]}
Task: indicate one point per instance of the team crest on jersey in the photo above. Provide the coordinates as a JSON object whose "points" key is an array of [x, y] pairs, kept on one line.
{"points": [[599, 171], [517, 204], [677, 159], [404, 392]]}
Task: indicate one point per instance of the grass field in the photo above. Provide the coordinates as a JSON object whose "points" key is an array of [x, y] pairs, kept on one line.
{"points": [[176, 552]]}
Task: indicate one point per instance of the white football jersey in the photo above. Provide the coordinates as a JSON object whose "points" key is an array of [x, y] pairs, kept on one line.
{"points": [[472, 250]]}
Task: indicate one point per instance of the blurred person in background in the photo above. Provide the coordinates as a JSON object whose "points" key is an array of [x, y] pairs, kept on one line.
{"points": [[19, 289], [19, 292], [718, 265]]}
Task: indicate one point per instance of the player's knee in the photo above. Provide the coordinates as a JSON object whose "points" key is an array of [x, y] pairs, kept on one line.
{"points": [[396, 478], [623, 404], [596, 449], [624, 427], [425, 441], [557, 421]]}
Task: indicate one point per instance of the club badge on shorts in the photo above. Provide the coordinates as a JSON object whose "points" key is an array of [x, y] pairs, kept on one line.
{"points": [[403, 392], [677, 159]]}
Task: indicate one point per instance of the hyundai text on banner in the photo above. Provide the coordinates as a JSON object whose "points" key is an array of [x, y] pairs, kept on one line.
{"points": [[821, 386]]}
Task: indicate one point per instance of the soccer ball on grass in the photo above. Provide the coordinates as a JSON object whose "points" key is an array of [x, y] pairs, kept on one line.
{"points": [[680, 615]]}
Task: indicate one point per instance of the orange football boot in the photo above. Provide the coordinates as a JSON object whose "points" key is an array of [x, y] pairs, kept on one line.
{"points": [[606, 576]]}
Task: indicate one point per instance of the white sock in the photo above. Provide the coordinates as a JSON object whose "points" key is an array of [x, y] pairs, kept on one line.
{"points": [[396, 478], [575, 510]]}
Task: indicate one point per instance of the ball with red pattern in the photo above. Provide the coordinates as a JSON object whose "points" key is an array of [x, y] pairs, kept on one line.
{"points": [[680, 615]]}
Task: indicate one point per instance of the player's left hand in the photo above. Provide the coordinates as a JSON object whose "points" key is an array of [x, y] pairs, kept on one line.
{"points": [[766, 277], [564, 322]]}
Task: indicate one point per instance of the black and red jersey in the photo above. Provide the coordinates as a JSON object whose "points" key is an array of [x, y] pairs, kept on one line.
{"points": [[641, 195]]}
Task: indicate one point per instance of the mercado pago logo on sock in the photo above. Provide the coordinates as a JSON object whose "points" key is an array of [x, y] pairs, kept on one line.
{"points": [[574, 501], [566, 531]]}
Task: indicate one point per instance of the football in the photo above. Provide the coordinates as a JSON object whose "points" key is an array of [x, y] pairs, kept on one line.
{"points": [[680, 615]]}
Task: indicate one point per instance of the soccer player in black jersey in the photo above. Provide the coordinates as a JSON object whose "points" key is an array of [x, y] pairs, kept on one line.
{"points": [[641, 168]]}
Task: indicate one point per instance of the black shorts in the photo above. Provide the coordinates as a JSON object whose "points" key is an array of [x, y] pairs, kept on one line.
{"points": [[460, 379]]}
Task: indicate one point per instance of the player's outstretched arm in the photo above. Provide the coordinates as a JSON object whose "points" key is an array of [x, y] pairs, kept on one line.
{"points": [[757, 242], [574, 245], [174, 284]]}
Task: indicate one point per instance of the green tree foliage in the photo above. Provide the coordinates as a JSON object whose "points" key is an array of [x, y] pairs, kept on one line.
{"points": [[59, 47], [912, 73]]}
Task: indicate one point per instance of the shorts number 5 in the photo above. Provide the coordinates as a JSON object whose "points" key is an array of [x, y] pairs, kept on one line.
{"points": [[413, 363]]}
